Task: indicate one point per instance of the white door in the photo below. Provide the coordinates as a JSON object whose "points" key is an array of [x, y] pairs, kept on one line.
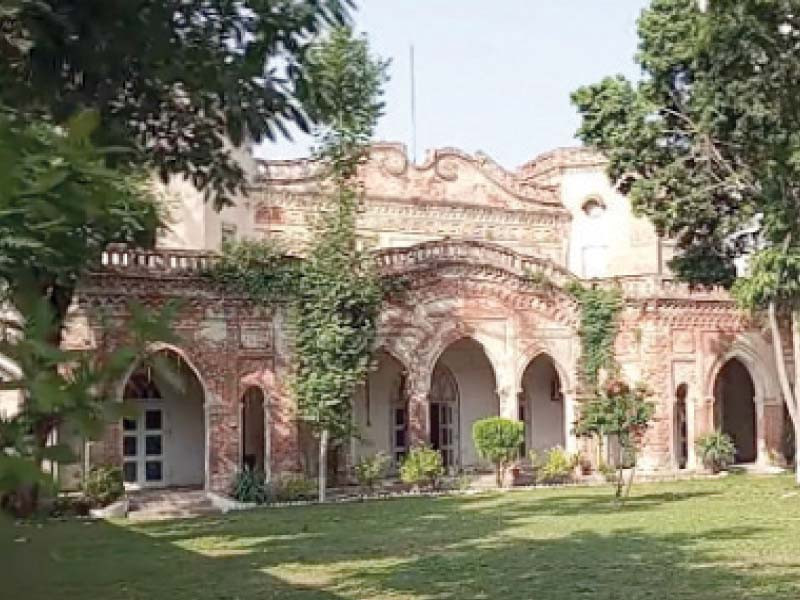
{"points": [[143, 447]]}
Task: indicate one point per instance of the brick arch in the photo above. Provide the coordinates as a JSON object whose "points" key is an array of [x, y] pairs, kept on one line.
{"points": [[756, 355], [565, 370], [156, 347]]}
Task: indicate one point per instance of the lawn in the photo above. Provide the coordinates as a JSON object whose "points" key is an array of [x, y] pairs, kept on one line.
{"points": [[727, 539]]}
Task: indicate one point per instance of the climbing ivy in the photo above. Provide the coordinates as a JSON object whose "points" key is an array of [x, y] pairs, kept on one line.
{"points": [[598, 327], [261, 270], [334, 293]]}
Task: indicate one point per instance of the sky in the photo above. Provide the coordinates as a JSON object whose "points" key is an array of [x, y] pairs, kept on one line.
{"points": [[494, 76]]}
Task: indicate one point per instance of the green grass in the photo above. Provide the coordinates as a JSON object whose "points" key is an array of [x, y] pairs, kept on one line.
{"points": [[728, 539]]}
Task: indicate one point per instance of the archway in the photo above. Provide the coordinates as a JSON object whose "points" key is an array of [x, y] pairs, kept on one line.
{"points": [[254, 430], [381, 410], [542, 405], [735, 410], [164, 439], [463, 390], [680, 428]]}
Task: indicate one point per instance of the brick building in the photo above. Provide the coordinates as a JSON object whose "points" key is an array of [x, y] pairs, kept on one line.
{"points": [[475, 335]]}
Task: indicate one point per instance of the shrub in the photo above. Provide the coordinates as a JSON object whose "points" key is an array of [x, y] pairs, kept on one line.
{"points": [[498, 441], [608, 472], [103, 485], [294, 488], [250, 485], [557, 466], [716, 450], [370, 469], [422, 465]]}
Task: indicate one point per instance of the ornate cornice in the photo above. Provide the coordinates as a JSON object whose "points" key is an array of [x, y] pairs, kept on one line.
{"points": [[446, 173]]}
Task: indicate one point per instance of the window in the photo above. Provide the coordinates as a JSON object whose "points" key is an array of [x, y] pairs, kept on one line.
{"points": [[594, 207]]}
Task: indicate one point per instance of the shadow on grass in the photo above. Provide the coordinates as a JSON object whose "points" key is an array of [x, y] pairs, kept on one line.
{"points": [[563, 546]]}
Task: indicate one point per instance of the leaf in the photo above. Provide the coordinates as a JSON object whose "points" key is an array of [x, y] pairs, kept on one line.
{"points": [[83, 124], [58, 453]]}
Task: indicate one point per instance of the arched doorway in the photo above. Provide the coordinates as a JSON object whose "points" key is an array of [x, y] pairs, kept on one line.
{"points": [[380, 410], [463, 391], [163, 439], [254, 430], [680, 427], [735, 409], [542, 405]]}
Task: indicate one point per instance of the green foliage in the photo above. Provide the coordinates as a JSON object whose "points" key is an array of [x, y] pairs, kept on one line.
{"points": [[293, 488], [249, 485], [333, 317], [64, 388], [773, 275], [556, 466], [344, 95], [707, 144], [715, 450], [175, 79], [370, 469], [498, 441], [621, 411], [598, 328], [260, 269], [422, 465], [60, 207], [103, 485]]}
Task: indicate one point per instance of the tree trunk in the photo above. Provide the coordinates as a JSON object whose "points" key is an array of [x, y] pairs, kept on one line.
{"points": [[323, 464], [620, 471], [789, 397]]}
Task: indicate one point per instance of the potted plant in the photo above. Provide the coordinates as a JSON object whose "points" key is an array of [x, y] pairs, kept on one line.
{"points": [[716, 451]]}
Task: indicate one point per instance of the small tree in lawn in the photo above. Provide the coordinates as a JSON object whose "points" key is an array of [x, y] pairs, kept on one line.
{"points": [[333, 316], [624, 412], [498, 441]]}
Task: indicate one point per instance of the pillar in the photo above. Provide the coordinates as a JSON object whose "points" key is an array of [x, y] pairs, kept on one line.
{"points": [[769, 430], [418, 386], [571, 441]]}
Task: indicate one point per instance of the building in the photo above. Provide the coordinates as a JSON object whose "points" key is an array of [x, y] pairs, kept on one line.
{"points": [[484, 328]]}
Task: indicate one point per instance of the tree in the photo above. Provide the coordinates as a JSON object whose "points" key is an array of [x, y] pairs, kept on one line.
{"points": [[60, 206], [333, 319], [623, 412], [498, 441], [180, 80], [64, 388], [707, 145]]}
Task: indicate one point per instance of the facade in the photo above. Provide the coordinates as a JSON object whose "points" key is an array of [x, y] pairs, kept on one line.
{"points": [[479, 330]]}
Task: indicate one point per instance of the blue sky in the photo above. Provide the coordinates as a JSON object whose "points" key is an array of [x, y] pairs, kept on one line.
{"points": [[491, 75]]}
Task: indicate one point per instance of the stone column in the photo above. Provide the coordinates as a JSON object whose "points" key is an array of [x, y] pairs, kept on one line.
{"points": [[769, 429], [419, 384], [507, 390], [570, 440], [703, 424], [691, 425]]}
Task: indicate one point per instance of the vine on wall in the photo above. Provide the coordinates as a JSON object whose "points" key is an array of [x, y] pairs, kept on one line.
{"points": [[600, 308]]}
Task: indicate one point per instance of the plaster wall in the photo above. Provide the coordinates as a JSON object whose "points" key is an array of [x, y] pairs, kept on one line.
{"points": [[477, 393], [544, 417]]}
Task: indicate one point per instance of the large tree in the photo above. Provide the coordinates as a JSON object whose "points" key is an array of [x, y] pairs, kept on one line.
{"points": [[181, 80], [707, 145]]}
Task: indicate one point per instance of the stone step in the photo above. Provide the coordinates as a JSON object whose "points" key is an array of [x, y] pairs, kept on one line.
{"points": [[168, 504]]}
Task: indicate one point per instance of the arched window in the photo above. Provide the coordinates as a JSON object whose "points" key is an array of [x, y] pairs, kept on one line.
{"points": [[444, 414]]}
